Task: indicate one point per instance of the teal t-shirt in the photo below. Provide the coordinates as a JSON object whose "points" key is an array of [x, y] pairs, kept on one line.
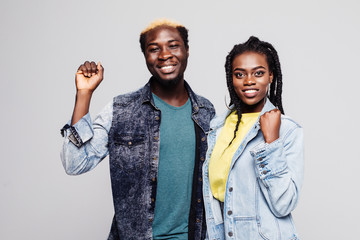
{"points": [[175, 174]]}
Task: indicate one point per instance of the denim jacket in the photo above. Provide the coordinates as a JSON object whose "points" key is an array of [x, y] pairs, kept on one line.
{"points": [[130, 134], [263, 184]]}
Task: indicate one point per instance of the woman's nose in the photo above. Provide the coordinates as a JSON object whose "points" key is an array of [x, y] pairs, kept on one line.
{"points": [[249, 80]]}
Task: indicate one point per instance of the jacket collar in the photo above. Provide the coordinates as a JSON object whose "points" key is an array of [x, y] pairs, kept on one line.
{"points": [[219, 121]]}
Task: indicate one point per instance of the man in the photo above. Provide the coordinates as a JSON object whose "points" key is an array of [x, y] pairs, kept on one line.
{"points": [[155, 138]]}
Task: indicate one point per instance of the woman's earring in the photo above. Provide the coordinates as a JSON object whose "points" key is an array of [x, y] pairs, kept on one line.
{"points": [[267, 93], [226, 104]]}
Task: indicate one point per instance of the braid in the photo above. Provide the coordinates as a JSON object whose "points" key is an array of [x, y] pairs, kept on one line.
{"points": [[234, 100], [253, 44], [276, 85]]}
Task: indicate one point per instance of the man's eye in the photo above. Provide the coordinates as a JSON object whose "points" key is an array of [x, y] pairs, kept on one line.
{"points": [[153, 49], [174, 46], [259, 73]]}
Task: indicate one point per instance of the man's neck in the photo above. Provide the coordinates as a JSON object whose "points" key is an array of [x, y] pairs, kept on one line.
{"points": [[175, 95]]}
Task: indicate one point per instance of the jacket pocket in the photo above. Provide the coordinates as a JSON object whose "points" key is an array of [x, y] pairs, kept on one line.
{"points": [[247, 228], [130, 151]]}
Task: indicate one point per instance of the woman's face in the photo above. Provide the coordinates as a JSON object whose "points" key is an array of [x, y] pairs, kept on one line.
{"points": [[251, 78]]}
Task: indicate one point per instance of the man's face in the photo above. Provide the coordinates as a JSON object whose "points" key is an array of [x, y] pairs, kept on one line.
{"points": [[166, 55]]}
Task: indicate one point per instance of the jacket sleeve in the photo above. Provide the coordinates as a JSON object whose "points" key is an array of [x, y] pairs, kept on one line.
{"points": [[279, 167], [86, 142]]}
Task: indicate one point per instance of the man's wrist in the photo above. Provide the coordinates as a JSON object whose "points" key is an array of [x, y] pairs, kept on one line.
{"points": [[83, 93]]}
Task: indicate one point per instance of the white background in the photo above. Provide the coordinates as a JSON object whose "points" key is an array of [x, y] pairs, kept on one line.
{"points": [[42, 43]]}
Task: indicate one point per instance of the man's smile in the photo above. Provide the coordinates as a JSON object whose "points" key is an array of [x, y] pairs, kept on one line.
{"points": [[168, 68]]}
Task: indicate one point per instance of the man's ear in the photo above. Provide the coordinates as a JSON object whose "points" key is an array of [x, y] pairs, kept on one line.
{"points": [[187, 52]]}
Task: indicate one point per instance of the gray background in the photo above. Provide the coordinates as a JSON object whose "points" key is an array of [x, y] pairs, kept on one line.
{"points": [[43, 43]]}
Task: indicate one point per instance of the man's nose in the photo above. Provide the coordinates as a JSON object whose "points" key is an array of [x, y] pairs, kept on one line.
{"points": [[165, 54]]}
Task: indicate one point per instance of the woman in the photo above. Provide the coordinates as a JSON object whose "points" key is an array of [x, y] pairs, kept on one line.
{"points": [[254, 164]]}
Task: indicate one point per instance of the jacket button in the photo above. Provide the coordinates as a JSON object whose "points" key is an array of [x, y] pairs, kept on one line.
{"points": [[156, 138], [200, 179], [202, 158], [152, 200], [262, 165], [260, 158], [203, 139], [229, 212], [230, 189], [154, 158], [129, 143], [157, 118], [264, 172], [197, 220], [150, 219], [230, 234], [153, 179], [199, 200]]}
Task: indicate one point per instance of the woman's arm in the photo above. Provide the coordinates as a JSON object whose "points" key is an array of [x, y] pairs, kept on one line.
{"points": [[280, 167]]}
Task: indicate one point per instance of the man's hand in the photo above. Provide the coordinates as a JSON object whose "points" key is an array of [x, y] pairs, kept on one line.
{"points": [[89, 76], [270, 125]]}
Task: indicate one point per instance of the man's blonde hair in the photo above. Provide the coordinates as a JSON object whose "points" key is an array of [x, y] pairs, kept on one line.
{"points": [[164, 22], [161, 22]]}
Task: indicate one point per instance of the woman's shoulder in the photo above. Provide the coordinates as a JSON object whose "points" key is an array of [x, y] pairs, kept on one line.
{"points": [[289, 121], [219, 119], [288, 126]]}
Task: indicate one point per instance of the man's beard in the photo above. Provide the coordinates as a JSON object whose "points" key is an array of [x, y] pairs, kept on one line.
{"points": [[168, 83]]}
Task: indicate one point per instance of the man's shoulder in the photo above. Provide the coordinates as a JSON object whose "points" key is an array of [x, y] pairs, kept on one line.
{"points": [[130, 97], [206, 108], [200, 100], [204, 102]]}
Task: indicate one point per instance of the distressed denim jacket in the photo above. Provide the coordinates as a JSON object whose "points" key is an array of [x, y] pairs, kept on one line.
{"points": [[128, 130], [263, 184]]}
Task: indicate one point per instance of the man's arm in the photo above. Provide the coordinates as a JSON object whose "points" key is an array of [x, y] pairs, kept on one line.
{"points": [[82, 156], [85, 143], [87, 79]]}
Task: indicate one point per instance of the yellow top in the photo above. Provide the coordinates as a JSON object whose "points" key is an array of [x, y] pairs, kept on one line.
{"points": [[222, 154]]}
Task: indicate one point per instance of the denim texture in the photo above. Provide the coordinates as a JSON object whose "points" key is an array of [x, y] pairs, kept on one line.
{"points": [[129, 131], [262, 187]]}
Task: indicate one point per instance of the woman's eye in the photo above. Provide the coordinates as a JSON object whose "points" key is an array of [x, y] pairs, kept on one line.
{"points": [[259, 73], [238, 75]]}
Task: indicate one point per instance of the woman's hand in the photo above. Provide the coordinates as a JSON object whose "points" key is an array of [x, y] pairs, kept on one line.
{"points": [[270, 125]]}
